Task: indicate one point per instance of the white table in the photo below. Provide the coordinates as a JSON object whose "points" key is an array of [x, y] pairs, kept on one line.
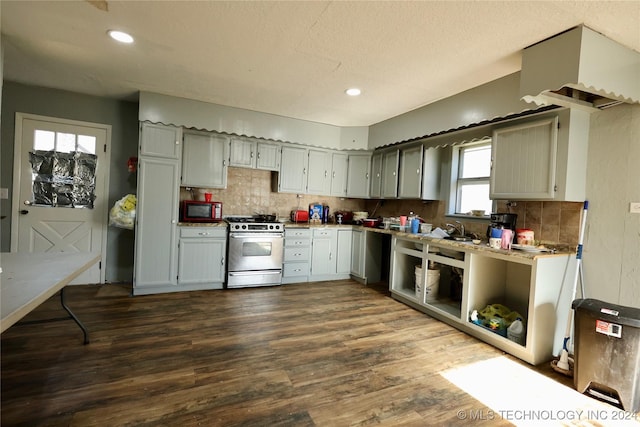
{"points": [[29, 279]]}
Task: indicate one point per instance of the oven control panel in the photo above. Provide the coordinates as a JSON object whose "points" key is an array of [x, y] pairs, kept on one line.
{"points": [[266, 227]]}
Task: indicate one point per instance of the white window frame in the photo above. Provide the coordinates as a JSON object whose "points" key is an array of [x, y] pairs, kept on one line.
{"points": [[456, 182]]}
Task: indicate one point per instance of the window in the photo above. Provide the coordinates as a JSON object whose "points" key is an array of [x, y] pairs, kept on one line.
{"points": [[472, 178], [63, 169]]}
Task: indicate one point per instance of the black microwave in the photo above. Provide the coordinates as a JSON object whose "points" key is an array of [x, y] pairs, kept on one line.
{"points": [[199, 211]]}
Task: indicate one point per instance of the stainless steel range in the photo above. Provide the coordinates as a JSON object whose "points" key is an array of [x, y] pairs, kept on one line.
{"points": [[255, 252]]}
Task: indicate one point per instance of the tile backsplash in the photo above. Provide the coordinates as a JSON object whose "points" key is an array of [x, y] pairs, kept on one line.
{"points": [[250, 191], [551, 222]]}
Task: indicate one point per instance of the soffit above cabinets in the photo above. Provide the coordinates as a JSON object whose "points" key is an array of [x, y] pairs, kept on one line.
{"points": [[580, 68]]}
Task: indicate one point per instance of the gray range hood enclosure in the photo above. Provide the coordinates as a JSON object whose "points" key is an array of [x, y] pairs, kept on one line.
{"points": [[580, 68]]}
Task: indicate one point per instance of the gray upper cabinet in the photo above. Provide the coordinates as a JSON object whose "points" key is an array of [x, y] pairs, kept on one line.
{"points": [[242, 153], [410, 182], [319, 176], [390, 174], [204, 160], [255, 154], [358, 175], [375, 190], [339, 165], [160, 141], [268, 157], [292, 177], [431, 167], [524, 160]]}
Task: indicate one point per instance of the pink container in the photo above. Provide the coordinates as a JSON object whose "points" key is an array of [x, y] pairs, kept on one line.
{"points": [[507, 238]]}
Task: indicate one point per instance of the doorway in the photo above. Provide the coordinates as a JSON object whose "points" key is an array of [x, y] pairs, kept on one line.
{"points": [[60, 188]]}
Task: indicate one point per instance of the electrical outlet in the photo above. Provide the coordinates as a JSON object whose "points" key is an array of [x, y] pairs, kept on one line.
{"points": [[634, 207], [4, 193]]}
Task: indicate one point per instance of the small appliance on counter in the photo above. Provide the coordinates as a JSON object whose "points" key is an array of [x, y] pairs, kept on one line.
{"points": [[343, 217], [300, 215], [503, 220], [200, 211]]}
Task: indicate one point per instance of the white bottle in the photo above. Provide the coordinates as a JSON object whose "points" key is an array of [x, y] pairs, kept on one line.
{"points": [[515, 332]]}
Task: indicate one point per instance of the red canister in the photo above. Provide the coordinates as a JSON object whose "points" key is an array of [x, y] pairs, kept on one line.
{"points": [[524, 236]]}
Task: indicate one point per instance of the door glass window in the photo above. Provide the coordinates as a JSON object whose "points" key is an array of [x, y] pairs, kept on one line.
{"points": [[63, 167]]}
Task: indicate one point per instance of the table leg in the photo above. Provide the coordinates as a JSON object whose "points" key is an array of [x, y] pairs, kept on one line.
{"points": [[73, 316]]}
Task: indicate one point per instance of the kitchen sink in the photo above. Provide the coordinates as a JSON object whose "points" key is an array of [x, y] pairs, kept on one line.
{"points": [[451, 253]]}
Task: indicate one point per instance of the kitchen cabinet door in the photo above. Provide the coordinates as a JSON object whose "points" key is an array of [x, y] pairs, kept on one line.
{"points": [[431, 176], [202, 261], [357, 256], [339, 163], [358, 175], [205, 160], [268, 157], [390, 174], [319, 176], [160, 141], [292, 177], [156, 222], [323, 254], [242, 153], [375, 190], [410, 179], [343, 252], [523, 163]]}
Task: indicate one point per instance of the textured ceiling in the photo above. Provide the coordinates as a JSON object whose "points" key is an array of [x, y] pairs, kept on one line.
{"points": [[291, 58]]}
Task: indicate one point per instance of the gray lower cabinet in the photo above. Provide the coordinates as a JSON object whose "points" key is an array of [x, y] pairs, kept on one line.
{"points": [[156, 214], [297, 255], [201, 257], [330, 254], [366, 253]]}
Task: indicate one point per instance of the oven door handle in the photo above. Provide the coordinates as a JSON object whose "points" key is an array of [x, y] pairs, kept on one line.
{"points": [[253, 236]]}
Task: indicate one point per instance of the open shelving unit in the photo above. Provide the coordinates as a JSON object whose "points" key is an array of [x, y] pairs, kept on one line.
{"points": [[471, 279]]}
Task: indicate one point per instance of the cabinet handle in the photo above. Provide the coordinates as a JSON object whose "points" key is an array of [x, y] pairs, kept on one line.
{"points": [[222, 261], [329, 256], [203, 234], [366, 175], [418, 171], [173, 221], [258, 155], [297, 269], [393, 173], [177, 142], [304, 171], [252, 154]]}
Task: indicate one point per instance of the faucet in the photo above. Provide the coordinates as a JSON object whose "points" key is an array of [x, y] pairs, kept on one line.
{"points": [[456, 228]]}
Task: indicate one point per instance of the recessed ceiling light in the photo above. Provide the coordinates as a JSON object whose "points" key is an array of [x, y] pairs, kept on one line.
{"points": [[354, 91], [120, 36]]}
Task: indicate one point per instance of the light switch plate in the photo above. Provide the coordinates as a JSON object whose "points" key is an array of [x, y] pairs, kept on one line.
{"points": [[634, 207], [4, 193]]}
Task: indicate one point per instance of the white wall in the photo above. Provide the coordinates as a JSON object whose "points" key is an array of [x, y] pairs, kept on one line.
{"points": [[611, 257]]}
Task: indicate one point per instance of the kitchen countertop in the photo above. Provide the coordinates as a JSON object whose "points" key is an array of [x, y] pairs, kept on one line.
{"points": [[465, 246], [203, 224]]}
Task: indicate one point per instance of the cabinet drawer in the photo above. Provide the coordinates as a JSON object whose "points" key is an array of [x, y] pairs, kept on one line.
{"points": [[296, 243], [296, 254], [303, 233], [203, 232], [323, 233], [294, 269]]}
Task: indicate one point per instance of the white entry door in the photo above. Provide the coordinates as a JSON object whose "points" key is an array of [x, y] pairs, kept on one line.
{"points": [[60, 188]]}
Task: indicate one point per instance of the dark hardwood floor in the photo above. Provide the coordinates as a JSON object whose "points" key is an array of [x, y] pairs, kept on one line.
{"points": [[318, 354]]}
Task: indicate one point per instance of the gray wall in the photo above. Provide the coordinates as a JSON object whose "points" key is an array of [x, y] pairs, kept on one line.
{"points": [[123, 118]]}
